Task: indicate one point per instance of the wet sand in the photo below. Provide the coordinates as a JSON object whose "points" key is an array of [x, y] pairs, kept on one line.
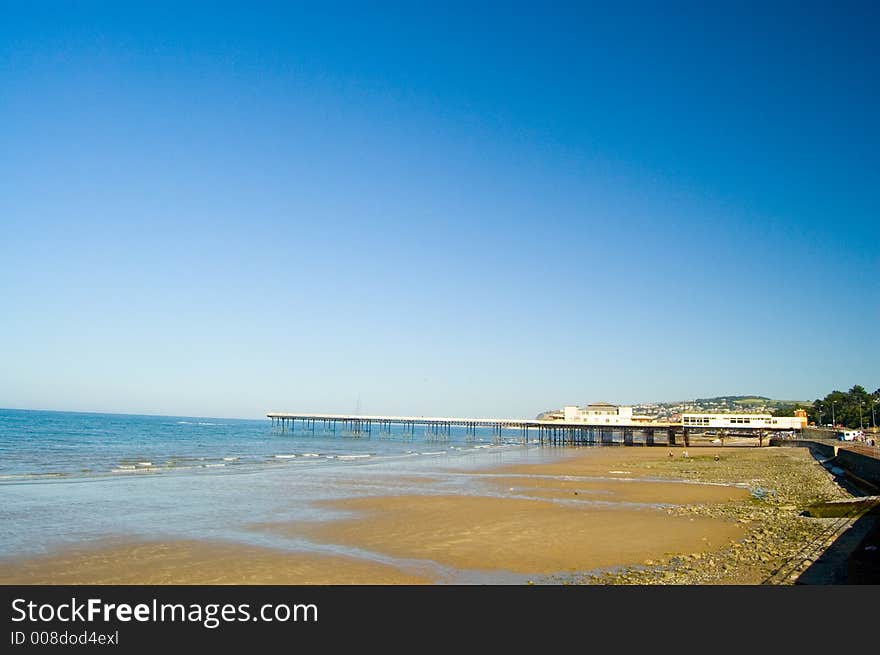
{"points": [[198, 562], [512, 534], [517, 521], [622, 462], [519, 529], [619, 490]]}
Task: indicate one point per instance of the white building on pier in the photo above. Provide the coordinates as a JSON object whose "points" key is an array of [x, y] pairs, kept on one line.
{"points": [[602, 414]]}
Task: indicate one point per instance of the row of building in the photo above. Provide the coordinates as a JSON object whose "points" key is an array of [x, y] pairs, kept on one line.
{"points": [[608, 414]]}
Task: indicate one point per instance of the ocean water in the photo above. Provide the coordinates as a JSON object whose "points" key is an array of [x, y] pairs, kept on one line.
{"points": [[42, 445], [74, 479]]}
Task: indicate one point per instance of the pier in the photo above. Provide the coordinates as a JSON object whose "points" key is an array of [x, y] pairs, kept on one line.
{"points": [[549, 432]]}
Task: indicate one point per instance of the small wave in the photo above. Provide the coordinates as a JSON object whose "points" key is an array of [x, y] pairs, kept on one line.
{"points": [[284, 456], [311, 455], [439, 452], [211, 466], [352, 456], [230, 459]]}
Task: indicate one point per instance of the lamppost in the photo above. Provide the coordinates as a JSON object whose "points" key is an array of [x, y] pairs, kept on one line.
{"points": [[873, 422], [861, 424], [833, 421]]}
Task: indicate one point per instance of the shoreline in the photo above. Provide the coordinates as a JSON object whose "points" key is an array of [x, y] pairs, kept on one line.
{"points": [[599, 515]]}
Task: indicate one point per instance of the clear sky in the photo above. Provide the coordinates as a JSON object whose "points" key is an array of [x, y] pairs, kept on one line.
{"points": [[222, 210]]}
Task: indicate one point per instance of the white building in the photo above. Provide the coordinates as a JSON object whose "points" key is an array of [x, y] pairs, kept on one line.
{"points": [[753, 421], [602, 414]]}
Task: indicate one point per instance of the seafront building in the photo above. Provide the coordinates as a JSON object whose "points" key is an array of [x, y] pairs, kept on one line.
{"points": [[608, 414]]}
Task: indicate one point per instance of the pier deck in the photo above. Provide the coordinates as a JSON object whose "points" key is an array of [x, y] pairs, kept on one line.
{"points": [[543, 431]]}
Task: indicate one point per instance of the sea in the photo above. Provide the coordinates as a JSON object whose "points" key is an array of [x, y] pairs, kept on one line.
{"points": [[70, 479]]}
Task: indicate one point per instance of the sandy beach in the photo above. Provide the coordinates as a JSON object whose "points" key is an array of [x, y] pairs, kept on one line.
{"points": [[609, 515], [199, 562], [514, 534]]}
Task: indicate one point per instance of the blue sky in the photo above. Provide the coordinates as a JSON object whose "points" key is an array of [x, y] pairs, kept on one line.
{"points": [[219, 209]]}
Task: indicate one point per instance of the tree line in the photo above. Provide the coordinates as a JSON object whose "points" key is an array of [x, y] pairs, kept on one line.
{"points": [[855, 408]]}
